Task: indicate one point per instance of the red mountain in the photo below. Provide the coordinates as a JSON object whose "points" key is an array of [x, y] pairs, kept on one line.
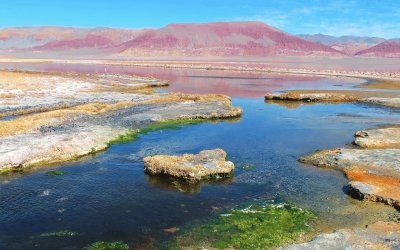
{"points": [[220, 39], [59, 38], [389, 48], [347, 44], [89, 41]]}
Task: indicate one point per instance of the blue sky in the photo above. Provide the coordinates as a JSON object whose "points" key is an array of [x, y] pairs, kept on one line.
{"points": [[335, 17]]}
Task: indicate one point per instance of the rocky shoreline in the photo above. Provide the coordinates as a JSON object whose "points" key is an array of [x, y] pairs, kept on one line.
{"points": [[373, 167]]}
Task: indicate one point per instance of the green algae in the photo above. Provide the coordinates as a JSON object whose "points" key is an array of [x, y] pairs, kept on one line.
{"points": [[102, 245], [133, 135], [8, 171], [254, 227], [53, 173], [64, 233], [125, 138]]}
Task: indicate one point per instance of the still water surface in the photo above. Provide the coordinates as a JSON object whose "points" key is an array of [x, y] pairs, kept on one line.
{"points": [[108, 197]]}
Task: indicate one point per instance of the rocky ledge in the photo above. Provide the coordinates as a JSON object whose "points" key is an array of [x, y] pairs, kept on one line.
{"points": [[380, 235], [373, 168], [390, 99], [192, 167], [378, 138]]}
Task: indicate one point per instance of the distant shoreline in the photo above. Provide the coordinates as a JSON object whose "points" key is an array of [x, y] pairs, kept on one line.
{"points": [[218, 65]]}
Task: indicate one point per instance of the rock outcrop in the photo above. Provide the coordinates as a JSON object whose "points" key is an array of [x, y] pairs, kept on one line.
{"points": [[373, 169], [192, 167]]}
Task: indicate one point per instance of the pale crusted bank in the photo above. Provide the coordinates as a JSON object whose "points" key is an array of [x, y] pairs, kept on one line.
{"points": [[69, 124]]}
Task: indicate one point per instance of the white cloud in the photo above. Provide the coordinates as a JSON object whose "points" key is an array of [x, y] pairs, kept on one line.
{"points": [[336, 18]]}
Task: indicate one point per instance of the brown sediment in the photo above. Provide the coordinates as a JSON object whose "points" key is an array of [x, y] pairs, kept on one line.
{"points": [[381, 84]]}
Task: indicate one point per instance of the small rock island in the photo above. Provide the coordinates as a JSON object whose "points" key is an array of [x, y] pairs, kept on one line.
{"points": [[191, 167]]}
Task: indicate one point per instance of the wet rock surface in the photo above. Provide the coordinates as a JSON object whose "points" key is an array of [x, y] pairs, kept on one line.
{"points": [[381, 235], [192, 167]]}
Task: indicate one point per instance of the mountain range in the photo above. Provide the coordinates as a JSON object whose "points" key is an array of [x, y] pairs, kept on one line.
{"points": [[219, 39]]}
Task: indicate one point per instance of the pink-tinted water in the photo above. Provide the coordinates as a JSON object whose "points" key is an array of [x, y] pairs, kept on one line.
{"points": [[232, 83]]}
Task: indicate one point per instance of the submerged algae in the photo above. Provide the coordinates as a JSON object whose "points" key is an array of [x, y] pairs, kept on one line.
{"points": [[247, 166], [55, 173], [64, 233], [102, 245], [253, 227], [133, 135]]}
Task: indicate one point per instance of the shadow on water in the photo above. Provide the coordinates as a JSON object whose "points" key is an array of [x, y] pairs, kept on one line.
{"points": [[177, 185]]}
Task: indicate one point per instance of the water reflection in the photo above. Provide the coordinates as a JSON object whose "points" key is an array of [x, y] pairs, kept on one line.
{"points": [[176, 185], [232, 83]]}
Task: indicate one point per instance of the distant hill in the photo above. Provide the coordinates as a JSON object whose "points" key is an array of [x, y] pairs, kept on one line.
{"points": [[53, 38], [347, 44], [221, 39], [389, 48], [218, 39]]}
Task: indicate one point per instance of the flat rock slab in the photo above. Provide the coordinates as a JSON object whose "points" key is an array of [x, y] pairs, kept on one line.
{"points": [[378, 138], [390, 99], [377, 161], [374, 173], [193, 167], [380, 235]]}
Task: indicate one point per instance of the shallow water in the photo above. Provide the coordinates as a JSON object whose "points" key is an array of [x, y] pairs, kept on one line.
{"points": [[108, 197]]}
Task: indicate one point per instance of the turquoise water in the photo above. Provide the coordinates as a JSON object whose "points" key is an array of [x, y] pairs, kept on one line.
{"points": [[109, 197]]}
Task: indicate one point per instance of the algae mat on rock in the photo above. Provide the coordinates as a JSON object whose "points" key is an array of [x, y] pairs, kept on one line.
{"points": [[252, 227]]}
